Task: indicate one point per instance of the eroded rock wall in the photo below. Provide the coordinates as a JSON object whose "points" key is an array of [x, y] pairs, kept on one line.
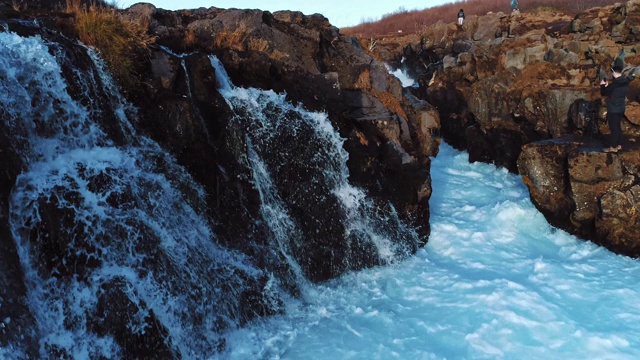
{"points": [[388, 132], [522, 91], [388, 135], [585, 191]]}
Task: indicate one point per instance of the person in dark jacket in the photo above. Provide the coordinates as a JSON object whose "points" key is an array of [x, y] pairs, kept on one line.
{"points": [[460, 17], [616, 93]]}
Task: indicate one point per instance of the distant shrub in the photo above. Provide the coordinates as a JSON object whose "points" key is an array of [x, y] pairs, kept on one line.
{"points": [[543, 9], [416, 21]]}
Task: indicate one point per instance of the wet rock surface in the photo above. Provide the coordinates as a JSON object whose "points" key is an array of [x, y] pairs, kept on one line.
{"points": [[388, 134]]}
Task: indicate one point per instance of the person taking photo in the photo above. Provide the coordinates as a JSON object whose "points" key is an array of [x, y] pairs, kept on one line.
{"points": [[616, 97]]}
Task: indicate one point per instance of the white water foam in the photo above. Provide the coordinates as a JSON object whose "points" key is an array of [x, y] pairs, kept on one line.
{"points": [[272, 117], [495, 281], [406, 80], [131, 219]]}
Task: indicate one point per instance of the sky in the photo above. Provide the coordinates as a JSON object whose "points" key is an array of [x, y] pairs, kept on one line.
{"points": [[341, 13]]}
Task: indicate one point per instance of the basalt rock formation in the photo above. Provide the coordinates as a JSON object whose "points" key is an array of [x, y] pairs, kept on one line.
{"points": [[521, 91]]}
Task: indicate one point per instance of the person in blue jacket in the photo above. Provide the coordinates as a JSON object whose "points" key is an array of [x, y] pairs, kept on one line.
{"points": [[514, 5]]}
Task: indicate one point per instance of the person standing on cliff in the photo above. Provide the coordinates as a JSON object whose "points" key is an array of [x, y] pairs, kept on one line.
{"points": [[460, 17], [616, 97], [514, 6]]}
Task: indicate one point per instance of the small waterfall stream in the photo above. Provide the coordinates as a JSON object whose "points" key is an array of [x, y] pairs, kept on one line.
{"points": [[303, 155]]}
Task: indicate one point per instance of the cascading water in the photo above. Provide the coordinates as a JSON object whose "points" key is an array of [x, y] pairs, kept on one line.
{"points": [[405, 79], [119, 258], [273, 211], [300, 156], [102, 227], [495, 281], [118, 254]]}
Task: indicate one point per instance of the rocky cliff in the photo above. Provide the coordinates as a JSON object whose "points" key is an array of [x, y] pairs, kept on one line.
{"points": [[387, 131], [521, 91], [515, 90]]}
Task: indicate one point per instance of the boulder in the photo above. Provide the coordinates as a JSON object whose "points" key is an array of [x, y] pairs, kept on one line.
{"points": [[585, 191]]}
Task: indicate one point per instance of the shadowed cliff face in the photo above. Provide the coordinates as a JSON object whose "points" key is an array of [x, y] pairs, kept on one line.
{"points": [[521, 91]]}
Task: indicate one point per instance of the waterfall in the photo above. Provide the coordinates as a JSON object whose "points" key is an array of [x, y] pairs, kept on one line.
{"points": [[100, 226], [274, 212], [401, 74], [115, 239], [301, 156]]}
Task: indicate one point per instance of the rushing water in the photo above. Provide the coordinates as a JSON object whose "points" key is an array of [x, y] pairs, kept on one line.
{"points": [[283, 138], [495, 281], [405, 79], [95, 222], [112, 232]]}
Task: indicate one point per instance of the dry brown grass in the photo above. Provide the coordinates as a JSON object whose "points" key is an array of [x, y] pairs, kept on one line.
{"points": [[257, 44], [364, 81], [120, 42], [73, 6], [278, 55], [19, 5], [416, 21], [231, 39], [239, 39], [391, 102], [190, 39]]}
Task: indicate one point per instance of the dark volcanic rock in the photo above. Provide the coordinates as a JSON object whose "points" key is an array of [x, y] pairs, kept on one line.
{"points": [[17, 326], [139, 333], [318, 67], [543, 166], [388, 136], [388, 132], [518, 74]]}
